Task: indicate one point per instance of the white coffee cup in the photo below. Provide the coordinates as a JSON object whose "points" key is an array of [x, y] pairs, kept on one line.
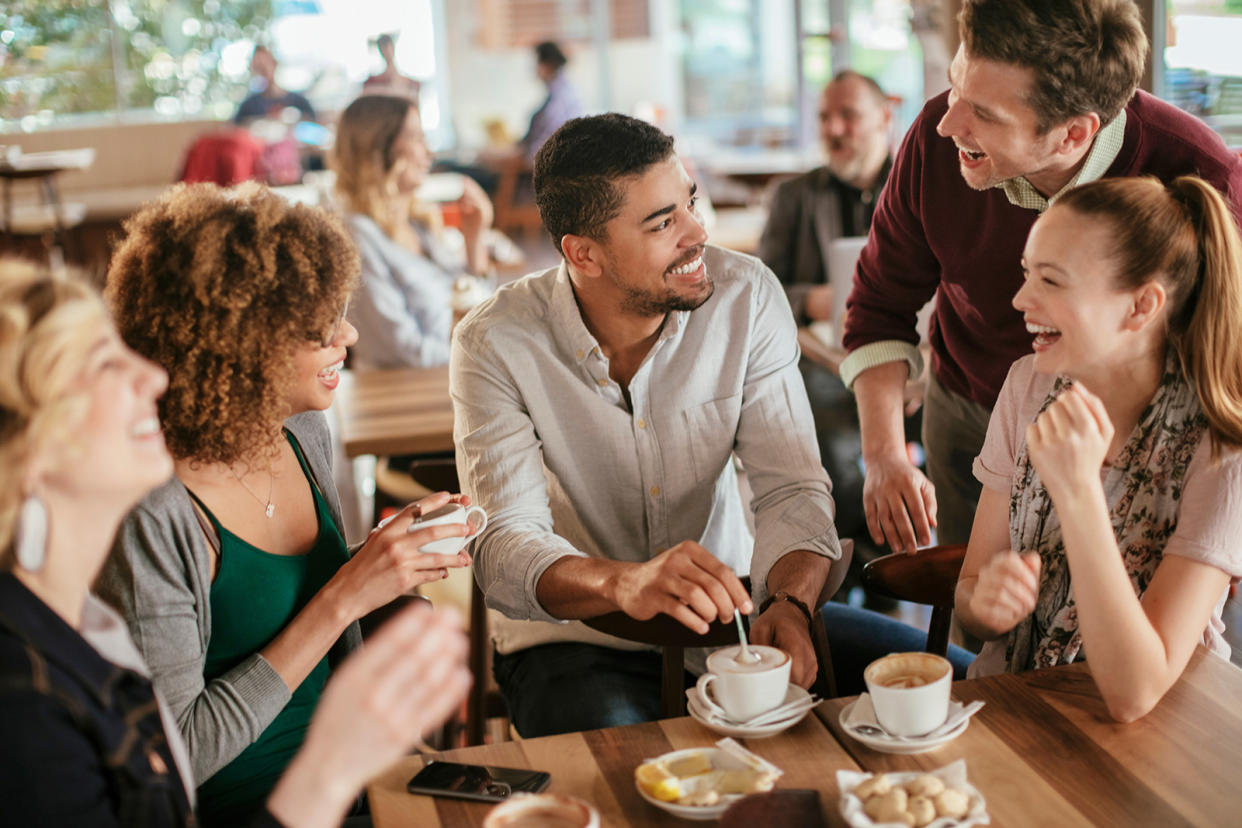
{"points": [[910, 692], [741, 690], [542, 810], [473, 516]]}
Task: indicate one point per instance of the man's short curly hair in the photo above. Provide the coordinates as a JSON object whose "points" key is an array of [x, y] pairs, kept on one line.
{"points": [[576, 171], [222, 288]]}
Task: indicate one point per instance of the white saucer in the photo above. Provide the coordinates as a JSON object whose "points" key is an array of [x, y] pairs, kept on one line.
{"points": [[694, 706], [897, 744]]}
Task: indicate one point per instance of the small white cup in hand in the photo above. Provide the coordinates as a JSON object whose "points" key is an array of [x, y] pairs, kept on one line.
{"points": [[473, 516], [741, 690]]}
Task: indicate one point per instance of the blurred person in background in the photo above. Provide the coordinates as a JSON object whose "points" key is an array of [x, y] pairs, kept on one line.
{"points": [[808, 214], [390, 81], [403, 308], [267, 99], [559, 106]]}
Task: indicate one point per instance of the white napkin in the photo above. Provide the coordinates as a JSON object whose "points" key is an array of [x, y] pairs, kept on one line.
{"points": [[953, 775], [864, 713]]}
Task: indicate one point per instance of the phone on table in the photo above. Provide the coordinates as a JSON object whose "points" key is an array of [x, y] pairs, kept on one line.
{"points": [[478, 782]]}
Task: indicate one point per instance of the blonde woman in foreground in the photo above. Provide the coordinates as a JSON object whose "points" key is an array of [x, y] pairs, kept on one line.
{"points": [[1110, 523], [87, 740]]}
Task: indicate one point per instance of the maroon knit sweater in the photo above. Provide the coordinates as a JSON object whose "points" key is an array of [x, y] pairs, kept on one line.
{"points": [[932, 231]]}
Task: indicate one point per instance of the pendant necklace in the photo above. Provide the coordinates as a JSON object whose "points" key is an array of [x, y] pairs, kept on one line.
{"points": [[269, 506]]}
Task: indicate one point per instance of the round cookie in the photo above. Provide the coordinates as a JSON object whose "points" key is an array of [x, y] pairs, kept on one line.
{"points": [[952, 803], [925, 785], [877, 784], [922, 809]]}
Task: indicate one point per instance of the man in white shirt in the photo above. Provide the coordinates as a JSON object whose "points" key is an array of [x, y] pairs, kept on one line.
{"points": [[598, 406]]}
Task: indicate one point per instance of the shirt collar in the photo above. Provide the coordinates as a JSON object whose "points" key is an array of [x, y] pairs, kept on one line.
{"points": [[33, 621], [1103, 153]]}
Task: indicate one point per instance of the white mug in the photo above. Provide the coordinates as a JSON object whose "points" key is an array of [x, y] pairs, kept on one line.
{"points": [[473, 516], [739, 690], [909, 691]]}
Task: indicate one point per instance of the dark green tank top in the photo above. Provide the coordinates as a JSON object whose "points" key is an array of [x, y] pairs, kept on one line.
{"points": [[254, 596]]}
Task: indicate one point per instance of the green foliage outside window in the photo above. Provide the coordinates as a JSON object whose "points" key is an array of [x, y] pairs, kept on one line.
{"points": [[78, 56]]}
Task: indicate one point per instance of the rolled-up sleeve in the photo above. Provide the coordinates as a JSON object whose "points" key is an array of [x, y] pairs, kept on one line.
{"points": [[500, 465], [776, 443]]}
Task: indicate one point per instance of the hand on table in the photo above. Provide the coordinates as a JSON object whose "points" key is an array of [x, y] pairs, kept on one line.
{"points": [[900, 504], [687, 582], [1069, 440], [784, 626], [1006, 590], [390, 563]]}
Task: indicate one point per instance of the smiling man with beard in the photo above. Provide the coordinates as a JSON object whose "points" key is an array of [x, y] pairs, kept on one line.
{"points": [[598, 406]]}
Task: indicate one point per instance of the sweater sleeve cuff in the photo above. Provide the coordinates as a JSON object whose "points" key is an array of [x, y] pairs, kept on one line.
{"points": [[878, 353]]}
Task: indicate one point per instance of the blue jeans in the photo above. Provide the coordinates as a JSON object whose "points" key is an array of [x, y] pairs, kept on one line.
{"points": [[857, 637], [563, 688]]}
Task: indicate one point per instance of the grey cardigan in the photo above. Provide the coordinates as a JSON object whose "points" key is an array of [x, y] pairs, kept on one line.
{"points": [[159, 578]]}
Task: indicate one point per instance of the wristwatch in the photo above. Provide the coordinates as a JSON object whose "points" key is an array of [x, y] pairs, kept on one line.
{"points": [[782, 595]]}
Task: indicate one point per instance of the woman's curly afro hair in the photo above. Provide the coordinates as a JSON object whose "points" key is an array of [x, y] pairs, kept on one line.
{"points": [[222, 288]]}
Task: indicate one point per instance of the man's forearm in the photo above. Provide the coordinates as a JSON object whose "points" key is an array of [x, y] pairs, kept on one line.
{"points": [[880, 396], [576, 587], [801, 574]]}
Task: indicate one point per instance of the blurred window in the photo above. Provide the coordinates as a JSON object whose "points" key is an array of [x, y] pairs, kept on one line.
{"points": [[753, 69], [1202, 64]]}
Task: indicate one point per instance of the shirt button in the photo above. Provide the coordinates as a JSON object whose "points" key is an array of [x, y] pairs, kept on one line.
{"points": [[655, 491], [642, 423], [580, 354], [602, 381]]}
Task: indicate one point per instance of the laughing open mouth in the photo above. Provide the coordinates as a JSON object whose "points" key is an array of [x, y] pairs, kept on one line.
{"points": [[1044, 335]]}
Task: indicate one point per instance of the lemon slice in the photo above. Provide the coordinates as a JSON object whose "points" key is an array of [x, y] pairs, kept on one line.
{"points": [[655, 779]]}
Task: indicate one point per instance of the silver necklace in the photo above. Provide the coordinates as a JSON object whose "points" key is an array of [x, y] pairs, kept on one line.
{"points": [[269, 507]]}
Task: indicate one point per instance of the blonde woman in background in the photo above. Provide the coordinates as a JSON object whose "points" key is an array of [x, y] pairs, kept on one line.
{"points": [[403, 309], [87, 741]]}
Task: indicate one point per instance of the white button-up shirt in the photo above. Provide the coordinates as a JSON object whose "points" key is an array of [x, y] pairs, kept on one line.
{"points": [[547, 445]]}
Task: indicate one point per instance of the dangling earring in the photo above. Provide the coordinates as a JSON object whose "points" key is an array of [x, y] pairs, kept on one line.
{"points": [[31, 542]]}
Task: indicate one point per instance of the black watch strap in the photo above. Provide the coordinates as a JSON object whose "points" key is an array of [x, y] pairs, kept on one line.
{"points": [[782, 595]]}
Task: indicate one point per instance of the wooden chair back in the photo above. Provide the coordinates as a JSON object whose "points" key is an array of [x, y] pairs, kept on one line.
{"points": [[926, 577]]}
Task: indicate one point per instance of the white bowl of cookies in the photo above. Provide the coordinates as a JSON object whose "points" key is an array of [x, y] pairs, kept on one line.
{"points": [[926, 799]]}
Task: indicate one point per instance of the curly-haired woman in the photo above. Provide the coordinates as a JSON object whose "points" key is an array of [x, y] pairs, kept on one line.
{"points": [[234, 577], [403, 307]]}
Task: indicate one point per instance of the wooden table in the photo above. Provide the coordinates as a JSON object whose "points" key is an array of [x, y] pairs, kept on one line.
{"points": [[1043, 752], [394, 412]]}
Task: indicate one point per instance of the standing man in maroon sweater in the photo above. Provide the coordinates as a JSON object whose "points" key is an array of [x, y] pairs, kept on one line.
{"points": [[1042, 98]]}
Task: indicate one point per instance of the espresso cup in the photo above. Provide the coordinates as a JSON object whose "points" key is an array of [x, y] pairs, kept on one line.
{"points": [[473, 516], [910, 692], [741, 690], [542, 810]]}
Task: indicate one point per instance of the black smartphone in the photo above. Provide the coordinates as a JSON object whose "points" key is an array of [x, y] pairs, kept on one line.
{"points": [[477, 782]]}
